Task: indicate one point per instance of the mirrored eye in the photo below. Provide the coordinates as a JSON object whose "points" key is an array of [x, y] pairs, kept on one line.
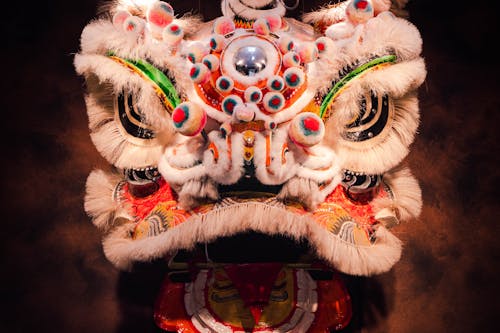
{"points": [[250, 60]]}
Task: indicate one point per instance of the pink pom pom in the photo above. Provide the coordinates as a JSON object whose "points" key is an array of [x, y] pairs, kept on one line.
{"points": [[285, 44], [261, 27], [274, 22], [211, 61], [230, 102], [294, 77], [359, 11], [224, 25], [196, 52], [306, 129], [189, 119], [199, 73], [308, 52], [173, 33], [134, 25], [291, 59], [275, 83], [324, 45], [245, 112], [217, 42], [224, 84], [273, 102], [160, 14], [120, 17], [253, 94]]}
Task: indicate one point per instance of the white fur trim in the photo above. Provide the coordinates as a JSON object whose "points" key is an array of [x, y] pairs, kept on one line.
{"points": [[100, 202], [105, 80], [228, 169], [122, 251], [387, 150], [407, 200]]}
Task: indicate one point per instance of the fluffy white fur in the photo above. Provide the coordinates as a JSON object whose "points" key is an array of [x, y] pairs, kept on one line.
{"points": [[277, 172], [407, 200], [100, 201], [234, 7], [122, 251], [375, 156], [101, 36], [228, 169], [105, 80]]}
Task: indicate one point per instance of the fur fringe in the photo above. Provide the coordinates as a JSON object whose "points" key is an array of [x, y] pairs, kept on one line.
{"points": [[100, 203], [105, 80], [122, 251], [407, 200], [384, 152]]}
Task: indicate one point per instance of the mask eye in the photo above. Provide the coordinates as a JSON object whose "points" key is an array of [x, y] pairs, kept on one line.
{"points": [[250, 60]]}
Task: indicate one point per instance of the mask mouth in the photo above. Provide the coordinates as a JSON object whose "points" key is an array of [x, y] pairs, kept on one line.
{"points": [[248, 247], [249, 184]]}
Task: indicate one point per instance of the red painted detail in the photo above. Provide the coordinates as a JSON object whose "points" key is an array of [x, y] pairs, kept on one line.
{"points": [[130, 27], [275, 101], [362, 5], [141, 207], [310, 123], [193, 71], [276, 84], [179, 115], [230, 106], [174, 28], [321, 46], [159, 19], [254, 281], [224, 84]]}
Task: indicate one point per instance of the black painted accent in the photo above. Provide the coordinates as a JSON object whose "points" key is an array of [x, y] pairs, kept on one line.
{"points": [[129, 126], [376, 128]]}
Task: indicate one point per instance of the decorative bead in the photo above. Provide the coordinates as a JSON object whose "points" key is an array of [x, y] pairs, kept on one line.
{"points": [[120, 17], [273, 101], [224, 25], [199, 73], [261, 26], [196, 52], [211, 61], [189, 119], [294, 77], [253, 94], [225, 129], [269, 125], [359, 11], [134, 25], [308, 52], [274, 22], [275, 83], [306, 129], [285, 44], [173, 33], [245, 112], [224, 84], [291, 59], [324, 45], [230, 102], [160, 14], [217, 42]]}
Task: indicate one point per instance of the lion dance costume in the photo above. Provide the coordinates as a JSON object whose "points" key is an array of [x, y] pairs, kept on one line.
{"points": [[287, 136]]}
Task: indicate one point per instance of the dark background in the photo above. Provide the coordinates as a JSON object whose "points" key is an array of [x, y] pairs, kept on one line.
{"points": [[54, 275]]}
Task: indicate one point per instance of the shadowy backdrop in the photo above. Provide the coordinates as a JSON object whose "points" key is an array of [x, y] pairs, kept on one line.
{"points": [[54, 275]]}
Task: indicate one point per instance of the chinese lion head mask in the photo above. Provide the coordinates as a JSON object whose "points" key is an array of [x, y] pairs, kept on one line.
{"points": [[259, 155]]}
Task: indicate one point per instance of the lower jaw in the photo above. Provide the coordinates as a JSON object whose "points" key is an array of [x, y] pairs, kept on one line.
{"points": [[252, 282]]}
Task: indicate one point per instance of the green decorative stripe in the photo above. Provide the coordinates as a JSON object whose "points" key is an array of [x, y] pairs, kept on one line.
{"points": [[163, 86], [330, 97]]}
